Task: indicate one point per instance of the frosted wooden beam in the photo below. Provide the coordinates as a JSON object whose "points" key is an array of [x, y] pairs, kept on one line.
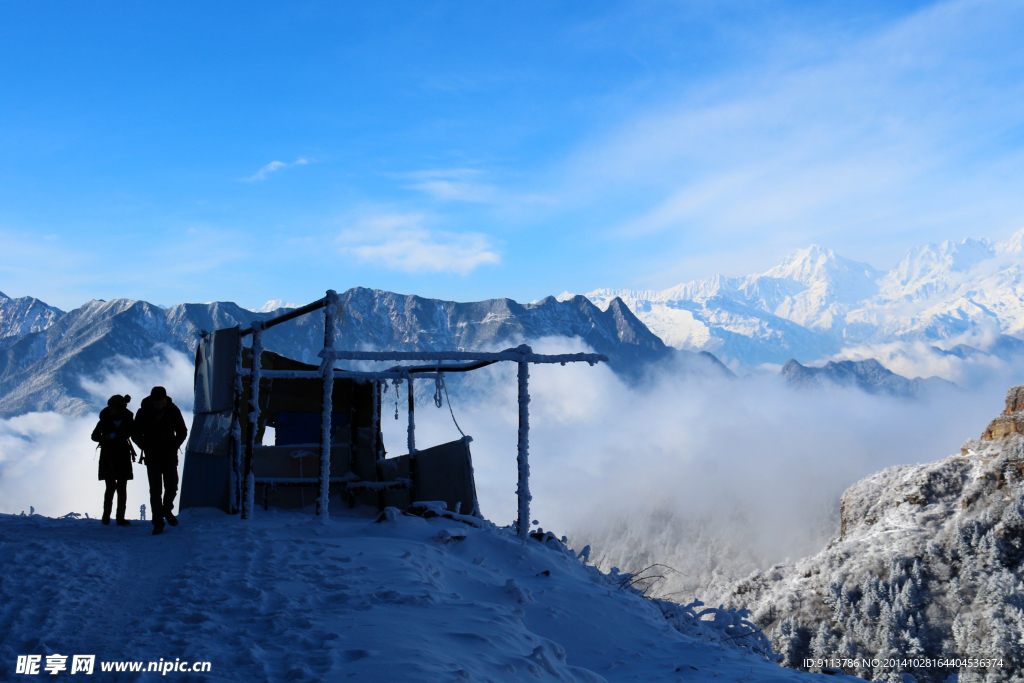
{"points": [[235, 484], [290, 315], [519, 354]]}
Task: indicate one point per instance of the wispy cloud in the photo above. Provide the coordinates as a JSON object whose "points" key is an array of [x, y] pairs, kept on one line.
{"points": [[401, 241], [895, 134], [272, 167], [453, 185]]}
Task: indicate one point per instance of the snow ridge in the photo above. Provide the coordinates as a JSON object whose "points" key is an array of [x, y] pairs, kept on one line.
{"points": [[816, 304], [867, 375]]}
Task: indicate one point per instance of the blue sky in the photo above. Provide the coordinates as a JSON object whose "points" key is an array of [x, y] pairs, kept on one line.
{"points": [[256, 151]]}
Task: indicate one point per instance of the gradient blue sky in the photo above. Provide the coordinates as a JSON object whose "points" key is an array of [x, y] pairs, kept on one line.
{"points": [[251, 151]]}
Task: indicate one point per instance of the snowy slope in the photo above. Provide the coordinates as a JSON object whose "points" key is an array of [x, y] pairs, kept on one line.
{"points": [[928, 562], [817, 304], [286, 597]]}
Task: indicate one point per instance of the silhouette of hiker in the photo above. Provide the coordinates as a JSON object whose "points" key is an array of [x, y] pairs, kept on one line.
{"points": [[116, 454], [160, 431]]}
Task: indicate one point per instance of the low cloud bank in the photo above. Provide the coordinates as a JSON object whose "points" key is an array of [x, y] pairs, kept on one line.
{"points": [[967, 368], [48, 461], [171, 369], [711, 475]]}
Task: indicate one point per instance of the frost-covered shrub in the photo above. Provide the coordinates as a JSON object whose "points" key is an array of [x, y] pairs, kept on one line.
{"points": [[929, 564]]}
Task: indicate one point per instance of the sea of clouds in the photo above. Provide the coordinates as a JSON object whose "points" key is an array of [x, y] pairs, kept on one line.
{"points": [[710, 475]]}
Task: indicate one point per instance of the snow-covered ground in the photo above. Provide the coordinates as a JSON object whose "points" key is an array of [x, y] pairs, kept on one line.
{"points": [[286, 596]]}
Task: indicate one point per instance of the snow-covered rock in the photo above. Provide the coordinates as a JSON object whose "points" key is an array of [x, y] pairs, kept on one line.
{"points": [[275, 305], [927, 567]]}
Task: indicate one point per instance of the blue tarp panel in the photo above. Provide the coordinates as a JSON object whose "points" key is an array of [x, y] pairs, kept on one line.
{"points": [[291, 428], [205, 481]]}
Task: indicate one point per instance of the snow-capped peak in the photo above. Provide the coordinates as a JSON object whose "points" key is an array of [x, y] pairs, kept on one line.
{"points": [[933, 269], [817, 266], [22, 316], [816, 303], [275, 304], [1014, 245]]}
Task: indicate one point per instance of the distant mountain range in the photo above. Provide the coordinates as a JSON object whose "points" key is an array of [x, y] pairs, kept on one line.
{"points": [[960, 297], [45, 352], [866, 375]]}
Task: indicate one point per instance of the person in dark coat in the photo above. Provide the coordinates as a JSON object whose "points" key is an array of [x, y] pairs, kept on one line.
{"points": [[116, 454], [159, 432]]}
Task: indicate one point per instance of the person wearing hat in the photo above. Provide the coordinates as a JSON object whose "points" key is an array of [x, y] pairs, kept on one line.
{"points": [[159, 432], [116, 454]]}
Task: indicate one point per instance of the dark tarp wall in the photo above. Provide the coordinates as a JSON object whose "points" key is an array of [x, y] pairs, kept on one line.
{"points": [[206, 477], [392, 469], [215, 371], [293, 407], [445, 472], [296, 462], [441, 473]]}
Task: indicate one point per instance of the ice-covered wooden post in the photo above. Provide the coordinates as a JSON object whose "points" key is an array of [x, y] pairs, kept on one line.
{"points": [[254, 417], [375, 422], [236, 433], [411, 439], [523, 458], [327, 370], [411, 432]]}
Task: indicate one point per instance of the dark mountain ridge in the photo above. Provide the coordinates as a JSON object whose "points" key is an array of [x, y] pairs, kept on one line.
{"points": [[42, 369], [867, 375]]}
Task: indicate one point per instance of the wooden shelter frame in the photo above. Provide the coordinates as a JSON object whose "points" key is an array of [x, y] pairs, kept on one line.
{"points": [[439, 362]]}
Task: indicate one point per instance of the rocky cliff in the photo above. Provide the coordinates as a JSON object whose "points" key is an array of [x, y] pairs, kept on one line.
{"points": [[1010, 421]]}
